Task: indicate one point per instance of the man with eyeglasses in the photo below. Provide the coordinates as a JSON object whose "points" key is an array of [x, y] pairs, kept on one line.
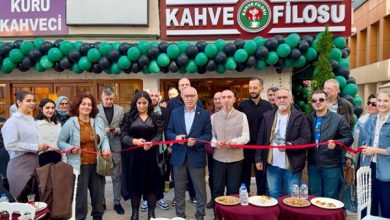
{"points": [[284, 126], [325, 160]]}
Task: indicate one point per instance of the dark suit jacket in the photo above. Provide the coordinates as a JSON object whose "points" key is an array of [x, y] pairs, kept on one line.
{"points": [[201, 129]]}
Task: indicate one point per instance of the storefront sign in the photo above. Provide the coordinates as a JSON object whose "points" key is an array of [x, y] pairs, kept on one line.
{"points": [[189, 19], [32, 17]]}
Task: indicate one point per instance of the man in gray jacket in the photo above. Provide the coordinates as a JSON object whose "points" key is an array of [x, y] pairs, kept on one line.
{"points": [[112, 116]]}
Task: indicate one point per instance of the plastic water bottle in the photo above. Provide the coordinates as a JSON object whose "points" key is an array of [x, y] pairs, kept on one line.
{"points": [[3, 198], [244, 195], [303, 191], [295, 190]]}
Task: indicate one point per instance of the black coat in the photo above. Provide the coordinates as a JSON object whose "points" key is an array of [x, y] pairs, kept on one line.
{"points": [[297, 132]]}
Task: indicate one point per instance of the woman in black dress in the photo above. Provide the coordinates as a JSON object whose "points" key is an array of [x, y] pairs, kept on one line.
{"points": [[141, 175]]}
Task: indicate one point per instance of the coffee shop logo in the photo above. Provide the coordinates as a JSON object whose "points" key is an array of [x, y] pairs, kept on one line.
{"points": [[254, 15]]}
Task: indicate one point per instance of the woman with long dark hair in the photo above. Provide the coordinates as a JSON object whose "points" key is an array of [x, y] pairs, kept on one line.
{"points": [[85, 131], [141, 175], [49, 129]]}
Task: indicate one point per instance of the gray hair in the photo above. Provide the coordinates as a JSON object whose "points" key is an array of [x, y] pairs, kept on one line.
{"points": [[334, 82], [107, 90]]}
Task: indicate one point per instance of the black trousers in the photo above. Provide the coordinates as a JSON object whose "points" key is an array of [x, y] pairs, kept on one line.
{"points": [[261, 177], [226, 175]]}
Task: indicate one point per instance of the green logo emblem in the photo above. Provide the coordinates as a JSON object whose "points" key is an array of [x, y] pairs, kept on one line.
{"points": [[254, 15]]}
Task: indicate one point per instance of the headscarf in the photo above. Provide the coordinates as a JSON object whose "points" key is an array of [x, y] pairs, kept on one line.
{"points": [[58, 101]]}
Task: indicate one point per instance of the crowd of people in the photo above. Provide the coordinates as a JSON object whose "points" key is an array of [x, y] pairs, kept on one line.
{"points": [[204, 137]]}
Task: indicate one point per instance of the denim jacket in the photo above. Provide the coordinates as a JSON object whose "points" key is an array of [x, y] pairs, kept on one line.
{"points": [[383, 161], [70, 137]]}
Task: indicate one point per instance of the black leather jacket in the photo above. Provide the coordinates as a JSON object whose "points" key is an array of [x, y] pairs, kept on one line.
{"points": [[333, 127]]}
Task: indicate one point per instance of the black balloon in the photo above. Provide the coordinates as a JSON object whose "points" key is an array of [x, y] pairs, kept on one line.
{"points": [[211, 65], [17, 43], [182, 60], [240, 67], [220, 58], [22, 68], [143, 61], [279, 63], [201, 45], [295, 54], [230, 49], [96, 68], [74, 55], [128, 70], [307, 38], [164, 69], [303, 46], [104, 63], [239, 43], [343, 71], [344, 53], [348, 97], [261, 52], [46, 46], [84, 48], [153, 52], [192, 51], [251, 62], [358, 110], [5, 49], [27, 62], [57, 67], [334, 64], [113, 55], [348, 50], [35, 55], [135, 68], [65, 63], [351, 79], [279, 70], [279, 39], [173, 68], [163, 46], [57, 43], [96, 44], [124, 47], [201, 70], [271, 44]]}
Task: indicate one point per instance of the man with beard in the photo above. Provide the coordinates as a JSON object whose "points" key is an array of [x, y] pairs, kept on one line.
{"points": [[285, 125], [254, 108]]}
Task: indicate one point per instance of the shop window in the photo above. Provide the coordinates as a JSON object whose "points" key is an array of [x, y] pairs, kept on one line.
{"points": [[373, 44], [362, 42]]}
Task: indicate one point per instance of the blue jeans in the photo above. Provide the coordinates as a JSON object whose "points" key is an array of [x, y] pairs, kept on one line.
{"points": [[324, 182], [280, 180]]}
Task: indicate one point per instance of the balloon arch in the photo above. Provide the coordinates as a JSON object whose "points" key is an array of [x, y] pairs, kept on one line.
{"points": [[293, 51]]}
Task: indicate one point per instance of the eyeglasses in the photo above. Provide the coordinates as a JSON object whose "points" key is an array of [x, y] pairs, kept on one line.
{"points": [[320, 100], [64, 103], [189, 96], [373, 104], [281, 97]]}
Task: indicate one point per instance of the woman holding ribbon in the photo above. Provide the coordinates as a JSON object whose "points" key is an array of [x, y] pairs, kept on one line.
{"points": [[141, 176], [376, 154], [83, 136]]}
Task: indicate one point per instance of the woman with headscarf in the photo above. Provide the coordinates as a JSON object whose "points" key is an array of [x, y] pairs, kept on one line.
{"points": [[62, 109]]}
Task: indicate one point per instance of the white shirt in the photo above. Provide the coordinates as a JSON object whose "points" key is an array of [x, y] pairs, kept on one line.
{"points": [[279, 137], [378, 127], [21, 135], [49, 132], [333, 107]]}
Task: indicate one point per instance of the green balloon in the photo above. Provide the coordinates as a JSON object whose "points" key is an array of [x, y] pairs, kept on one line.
{"points": [[260, 65], [211, 50], [94, 55], [283, 50], [4, 70], [115, 69], [116, 45], [318, 36], [314, 44], [16, 55], [76, 68], [342, 82], [220, 69], [8, 65], [104, 48], [108, 70], [124, 62], [340, 42], [311, 54], [77, 44], [38, 42], [301, 103], [358, 100], [173, 51], [240, 56], [201, 59], [45, 62], [163, 60], [250, 47], [26, 46], [350, 89], [38, 67], [191, 67], [288, 63], [182, 70], [55, 54], [344, 63], [230, 64], [220, 43], [153, 67], [84, 63], [292, 40], [183, 45], [154, 44], [66, 46], [272, 58], [259, 41], [143, 46], [335, 54], [133, 53], [299, 63]]}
